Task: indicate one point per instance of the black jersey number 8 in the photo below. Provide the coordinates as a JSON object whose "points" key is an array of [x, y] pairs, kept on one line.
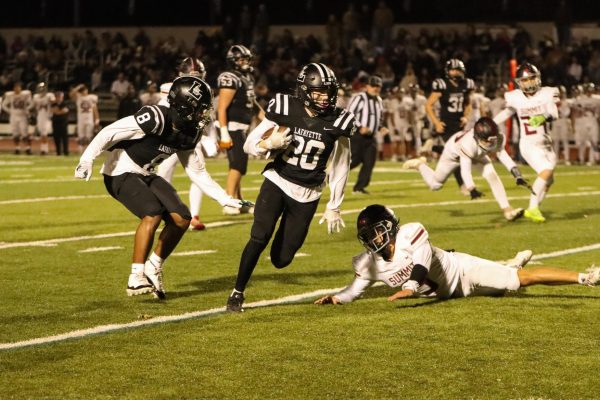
{"points": [[145, 117], [305, 154]]}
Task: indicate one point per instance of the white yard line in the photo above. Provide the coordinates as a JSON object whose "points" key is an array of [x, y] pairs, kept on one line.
{"points": [[193, 253], [81, 333], [97, 249]]}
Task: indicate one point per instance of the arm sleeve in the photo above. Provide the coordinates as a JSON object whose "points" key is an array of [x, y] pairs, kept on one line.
{"points": [[354, 290], [338, 174], [466, 173], [123, 129], [506, 160], [251, 145], [193, 161], [422, 255], [503, 115]]}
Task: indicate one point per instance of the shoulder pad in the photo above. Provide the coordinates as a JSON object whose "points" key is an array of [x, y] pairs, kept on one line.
{"points": [[414, 234], [438, 85], [228, 80], [280, 104], [152, 119], [345, 122], [362, 263]]}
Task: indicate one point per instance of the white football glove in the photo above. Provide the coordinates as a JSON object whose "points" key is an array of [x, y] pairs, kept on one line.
{"points": [[231, 202], [334, 220], [84, 170], [279, 139]]}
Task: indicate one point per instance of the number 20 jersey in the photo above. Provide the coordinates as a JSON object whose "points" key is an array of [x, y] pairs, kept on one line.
{"points": [[305, 160]]}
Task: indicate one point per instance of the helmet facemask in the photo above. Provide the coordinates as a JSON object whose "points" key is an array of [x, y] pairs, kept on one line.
{"points": [[529, 84]]}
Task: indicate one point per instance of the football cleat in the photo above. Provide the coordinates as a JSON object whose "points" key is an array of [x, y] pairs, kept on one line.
{"points": [[155, 276], [593, 276], [196, 224], [235, 302], [138, 284], [228, 210], [520, 260], [427, 147], [534, 214], [514, 214], [414, 163]]}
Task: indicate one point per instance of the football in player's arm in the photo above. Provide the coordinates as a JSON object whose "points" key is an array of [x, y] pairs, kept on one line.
{"points": [[402, 257], [137, 145], [306, 131]]}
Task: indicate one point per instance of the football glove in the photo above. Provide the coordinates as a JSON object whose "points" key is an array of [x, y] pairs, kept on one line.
{"points": [[475, 194], [231, 202], [278, 139], [334, 220], [84, 170], [225, 141], [536, 121]]}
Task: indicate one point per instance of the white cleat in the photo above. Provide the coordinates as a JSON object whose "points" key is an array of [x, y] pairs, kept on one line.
{"points": [[155, 277], [138, 284], [427, 147], [593, 276], [514, 214], [520, 260], [228, 210], [414, 163]]}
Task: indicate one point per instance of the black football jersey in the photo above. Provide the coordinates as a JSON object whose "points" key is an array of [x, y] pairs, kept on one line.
{"points": [[305, 160], [241, 108], [453, 100], [160, 139]]}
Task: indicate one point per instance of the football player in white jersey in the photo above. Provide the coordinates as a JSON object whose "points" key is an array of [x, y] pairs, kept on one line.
{"points": [[88, 118], [419, 114], [479, 106], [189, 67], [400, 123], [562, 128], [402, 257], [586, 110], [472, 147], [534, 106], [17, 104], [137, 144], [42, 103]]}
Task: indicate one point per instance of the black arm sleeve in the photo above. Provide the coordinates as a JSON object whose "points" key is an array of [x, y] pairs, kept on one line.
{"points": [[418, 274]]}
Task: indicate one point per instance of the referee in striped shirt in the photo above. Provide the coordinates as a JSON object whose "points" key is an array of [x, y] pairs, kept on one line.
{"points": [[367, 108]]}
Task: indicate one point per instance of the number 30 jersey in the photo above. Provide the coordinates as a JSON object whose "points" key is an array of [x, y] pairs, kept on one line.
{"points": [[305, 160]]}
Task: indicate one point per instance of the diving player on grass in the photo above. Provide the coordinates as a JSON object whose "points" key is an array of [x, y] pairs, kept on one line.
{"points": [[137, 145], [318, 131], [402, 257]]}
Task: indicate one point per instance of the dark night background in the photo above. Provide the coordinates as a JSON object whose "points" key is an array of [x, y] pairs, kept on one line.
{"points": [[49, 13]]}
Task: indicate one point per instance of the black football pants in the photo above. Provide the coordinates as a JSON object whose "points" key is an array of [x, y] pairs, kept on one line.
{"points": [[296, 217]]}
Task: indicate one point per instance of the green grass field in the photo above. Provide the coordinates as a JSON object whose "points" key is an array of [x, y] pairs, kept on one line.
{"points": [[541, 343]]}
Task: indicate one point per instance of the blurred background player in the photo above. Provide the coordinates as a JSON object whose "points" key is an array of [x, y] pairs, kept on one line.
{"points": [[453, 94], [189, 66], [586, 110], [17, 104], [561, 130], [42, 103], [418, 116], [479, 106], [235, 109], [534, 106], [88, 118], [473, 147], [60, 124], [400, 123], [137, 144], [367, 108]]}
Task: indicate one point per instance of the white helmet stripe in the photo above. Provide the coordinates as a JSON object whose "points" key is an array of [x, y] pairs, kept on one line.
{"points": [[321, 70]]}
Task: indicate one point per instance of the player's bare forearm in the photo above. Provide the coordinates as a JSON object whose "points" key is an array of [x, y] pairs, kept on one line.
{"points": [[402, 294]]}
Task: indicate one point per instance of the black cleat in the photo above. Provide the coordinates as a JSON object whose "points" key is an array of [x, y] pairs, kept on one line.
{"points": [[235, 302]]}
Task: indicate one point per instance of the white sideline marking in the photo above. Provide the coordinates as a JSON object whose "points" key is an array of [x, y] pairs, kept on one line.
{"points": [[198, 314], [193, 253], [96, 249], [53, 242]]}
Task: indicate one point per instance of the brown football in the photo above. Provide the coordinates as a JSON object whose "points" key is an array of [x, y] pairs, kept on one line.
{"points": [[270, 131]]}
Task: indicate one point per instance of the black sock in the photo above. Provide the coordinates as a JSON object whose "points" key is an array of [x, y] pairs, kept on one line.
{"points": [[250, 257]]}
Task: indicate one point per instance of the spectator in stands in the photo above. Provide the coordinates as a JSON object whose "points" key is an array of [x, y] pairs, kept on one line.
{"points": [[151, 97], [60, 122], [261, 26], [120, 87], [383, 22], [333, 33], [130, 104], [350, 21], [245, 26]]}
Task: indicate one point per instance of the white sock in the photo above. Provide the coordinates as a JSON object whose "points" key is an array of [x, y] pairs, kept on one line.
{"points": [[581, 278], [195, 199], [235, 291], [155, 259], [44, 147], [496, 185], [539, 187], [137, 269]]}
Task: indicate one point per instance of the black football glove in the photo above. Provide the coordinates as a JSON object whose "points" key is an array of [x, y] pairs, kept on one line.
{"points": [[475, 194]]}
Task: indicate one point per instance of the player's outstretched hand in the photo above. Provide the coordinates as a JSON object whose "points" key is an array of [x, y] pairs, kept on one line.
{"points": [[404, 293], [536, 121], [475, 194], [231, 202], [334, 220], [327, 300], [84, 170]]}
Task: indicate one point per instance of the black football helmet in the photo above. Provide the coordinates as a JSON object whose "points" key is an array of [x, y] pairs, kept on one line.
{"points": [[454, 64], [377, 227], [191, 66], [317, 76], [191, 99], [239, 52], [528, 78], [486, 134]]}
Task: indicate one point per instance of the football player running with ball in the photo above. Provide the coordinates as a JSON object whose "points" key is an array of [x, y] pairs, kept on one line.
{"points": [[534, 106], [316, 130], [402, 257], [137, 145]]}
